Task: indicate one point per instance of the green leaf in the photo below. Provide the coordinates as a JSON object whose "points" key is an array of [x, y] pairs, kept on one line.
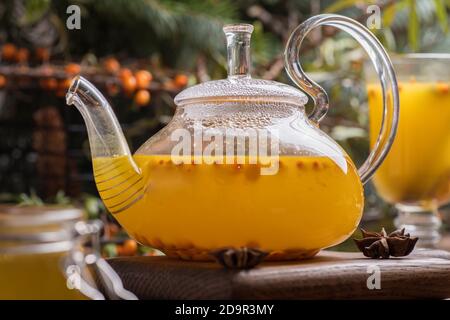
{"points": [[34, 10], [30, 200], [341, 5], [110, 250], [441, 14], [390, 12], [413, 26], [93, 206], [389, 39], [61, 198], [389, 15]]}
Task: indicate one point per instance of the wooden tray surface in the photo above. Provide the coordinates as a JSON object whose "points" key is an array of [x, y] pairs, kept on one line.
{"points": [[330, 275]]}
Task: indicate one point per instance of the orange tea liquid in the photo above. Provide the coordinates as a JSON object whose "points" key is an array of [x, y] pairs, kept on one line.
{"points": [[186, 210], [417, 169], [34, 276]]}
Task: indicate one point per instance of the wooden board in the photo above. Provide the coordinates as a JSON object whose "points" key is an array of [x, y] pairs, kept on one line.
{"points": [[330, 275]]}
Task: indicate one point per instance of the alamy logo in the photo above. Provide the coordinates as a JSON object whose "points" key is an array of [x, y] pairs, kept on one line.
{"points": [[73, 22], [374, 17], [374, 280]]}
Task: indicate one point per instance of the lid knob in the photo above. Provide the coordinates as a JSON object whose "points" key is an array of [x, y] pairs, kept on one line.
{"points": [[238, 49]]}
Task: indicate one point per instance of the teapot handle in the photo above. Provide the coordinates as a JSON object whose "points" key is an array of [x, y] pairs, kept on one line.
{"points": [[383, 67]]}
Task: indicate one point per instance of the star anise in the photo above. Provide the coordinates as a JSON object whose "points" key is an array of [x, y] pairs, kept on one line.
{"points": [[239, 258], [382, 245]]}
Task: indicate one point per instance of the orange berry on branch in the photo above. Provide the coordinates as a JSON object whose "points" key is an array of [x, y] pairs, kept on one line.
{"points": [[52, 84], [142, 98], [42, 54], [181, 80], [60, 93], [120, 250], [49, 84], [9, 52], [22, 55], [129, 247], [112, 88], [111, 230], [125, 73], [111, 65], [72, 68], [143, 79], [129, 84], [2, 81], [64, 84]]}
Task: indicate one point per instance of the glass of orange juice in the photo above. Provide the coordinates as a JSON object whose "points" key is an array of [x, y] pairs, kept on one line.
{"points": [[415, 176]]}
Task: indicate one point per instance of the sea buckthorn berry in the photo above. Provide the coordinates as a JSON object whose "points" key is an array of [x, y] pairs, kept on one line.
{"points": [[125, 73], [60, 93], [185, 245], [252, 172], [111, 65], [72, 68], [113, 89], [300, 165], [143, 79], [129, 84], [142, 98], [129, 247], [22, 55], [42, 54], [48, 83], [252, 244], [442, 87], [64, 84], [315, 165], [157, 243], [112, 229], [184, 255], [2, 81], [181, 80], [9, 51], [52, 84]]}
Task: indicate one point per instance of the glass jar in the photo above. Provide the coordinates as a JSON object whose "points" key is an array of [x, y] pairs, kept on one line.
{"points": [[51, 252]]}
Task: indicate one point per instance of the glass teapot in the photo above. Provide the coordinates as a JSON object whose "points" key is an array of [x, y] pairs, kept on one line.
{"points": [[241, 166]]}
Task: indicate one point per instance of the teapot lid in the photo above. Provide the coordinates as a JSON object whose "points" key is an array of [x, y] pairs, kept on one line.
{"points": [[239, 86]]}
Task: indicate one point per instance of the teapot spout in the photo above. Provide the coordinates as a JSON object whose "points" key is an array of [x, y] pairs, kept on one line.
{"points": [[115, 170], [105, 135]]}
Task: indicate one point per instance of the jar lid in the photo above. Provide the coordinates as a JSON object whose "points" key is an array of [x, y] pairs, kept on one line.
{"points": [[37, 229], [239, 86], [28, 216]]}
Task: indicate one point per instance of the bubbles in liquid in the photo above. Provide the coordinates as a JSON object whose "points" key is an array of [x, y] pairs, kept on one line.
{"points": [[238, 115]]}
